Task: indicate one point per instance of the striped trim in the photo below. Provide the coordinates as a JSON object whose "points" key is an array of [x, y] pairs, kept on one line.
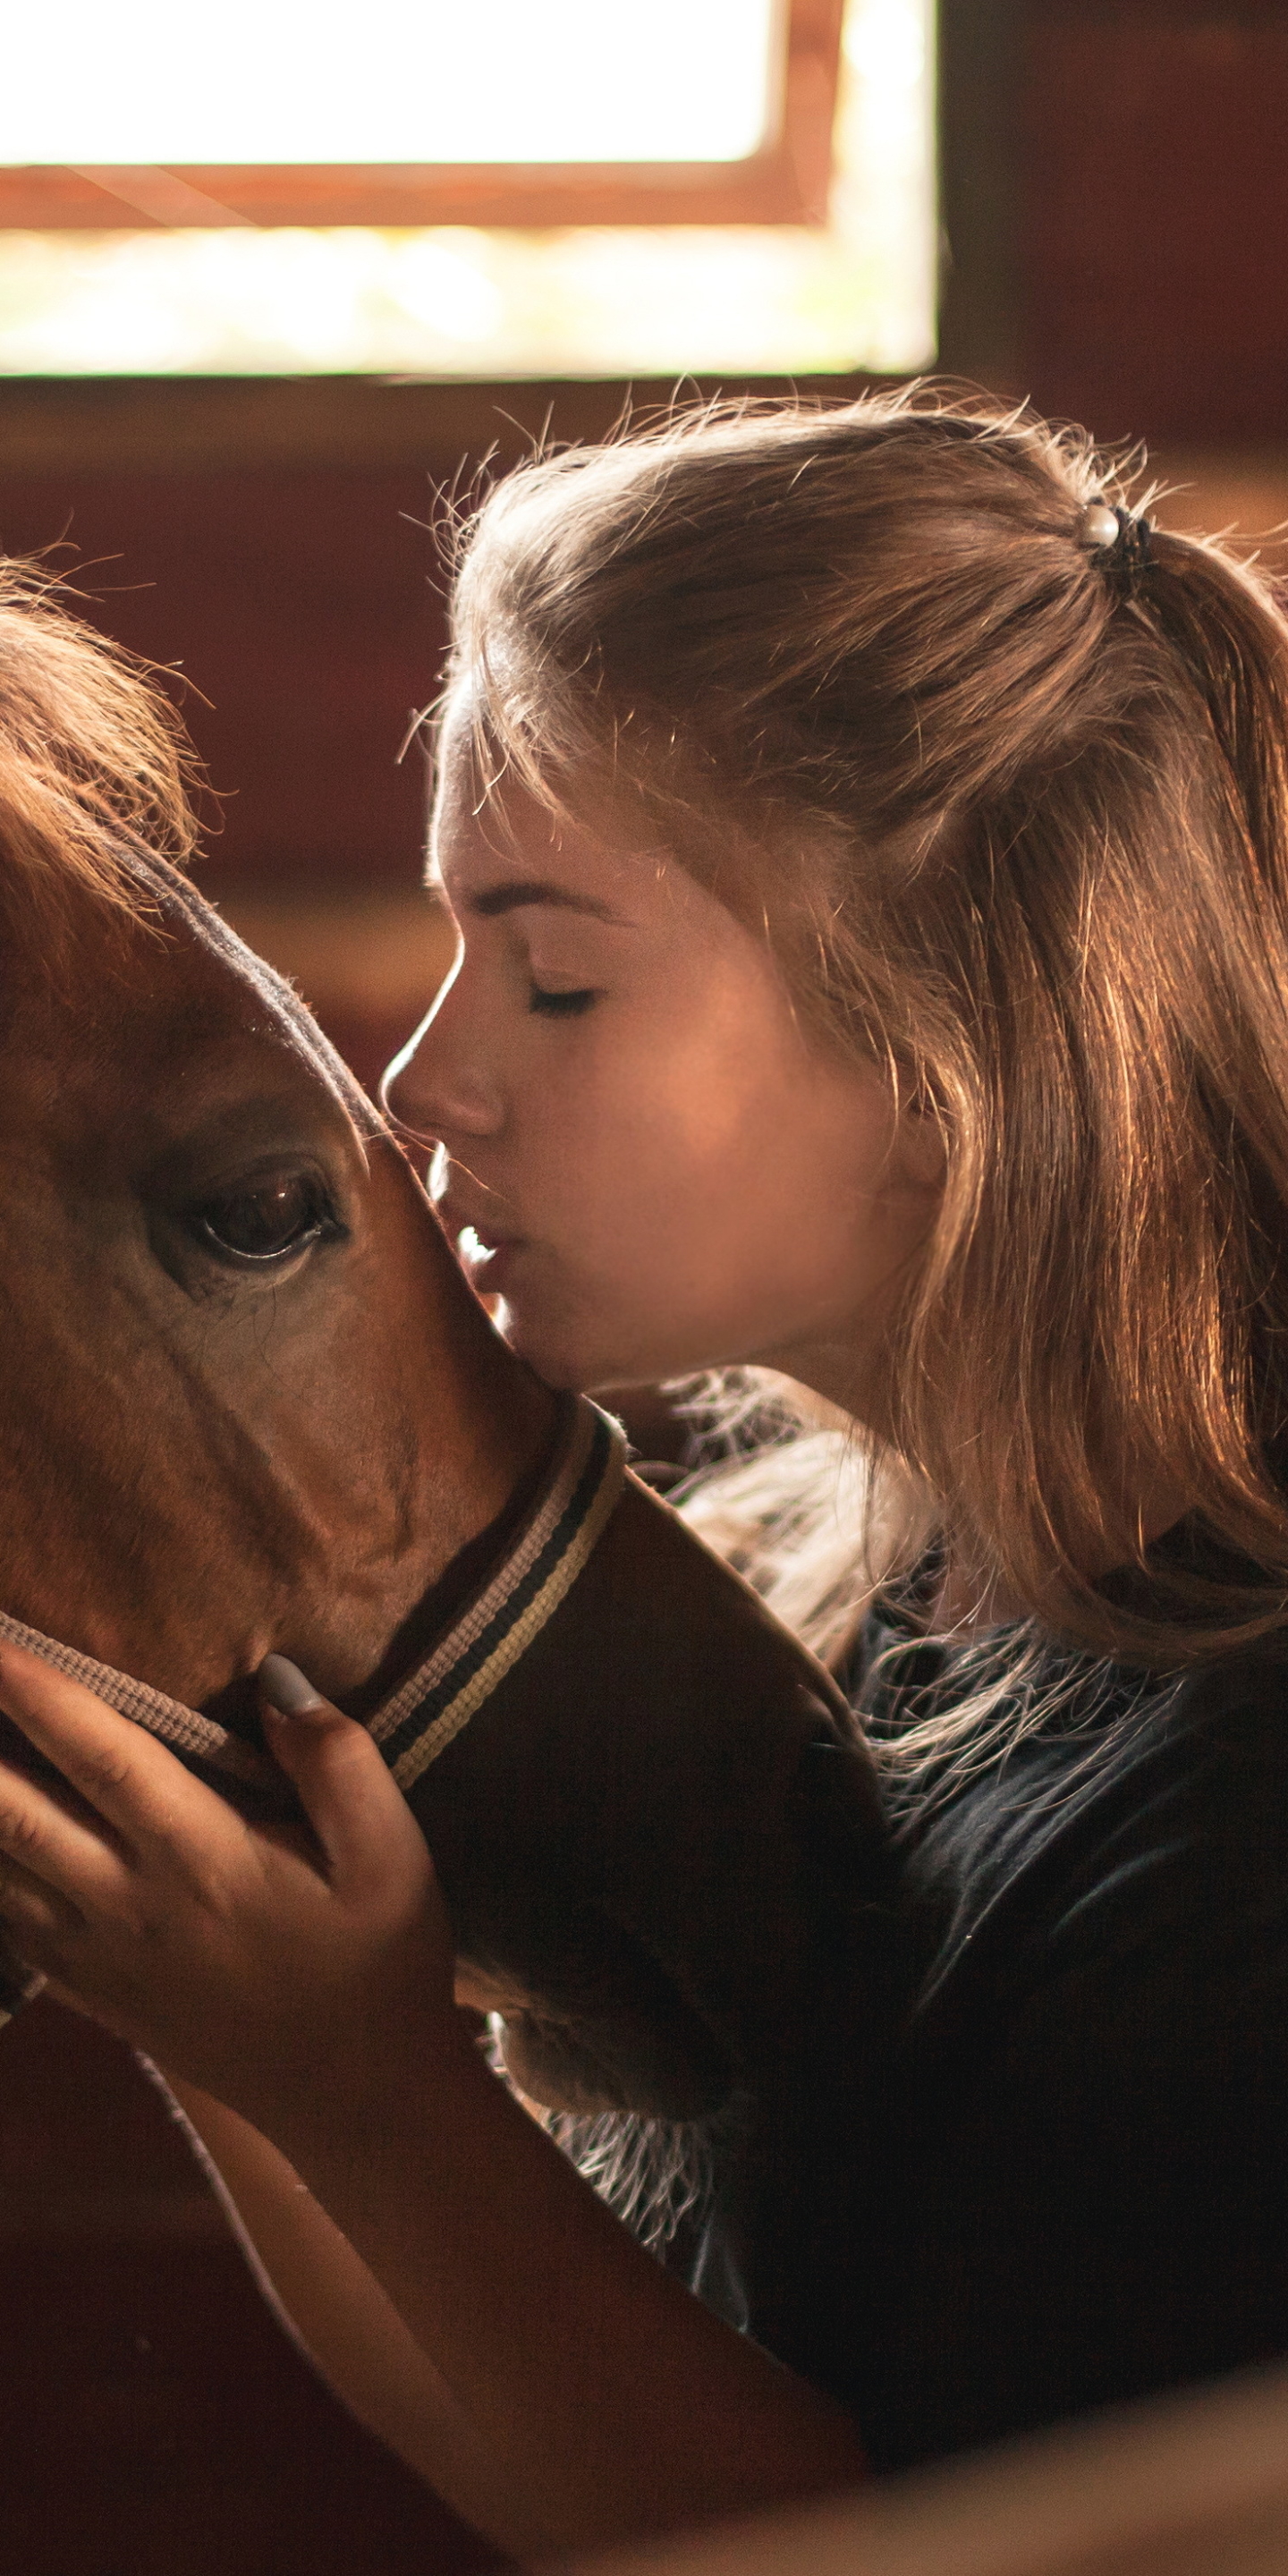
{"points": [[580, 1492], [580, 1497]]}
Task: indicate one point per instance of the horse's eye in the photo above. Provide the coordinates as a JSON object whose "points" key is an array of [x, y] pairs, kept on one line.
{"points": [[267, 1218]]}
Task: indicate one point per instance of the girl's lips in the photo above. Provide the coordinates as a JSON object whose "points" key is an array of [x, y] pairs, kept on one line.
{"points": [[457, 1220], [493, 1269], [485, 1259]]}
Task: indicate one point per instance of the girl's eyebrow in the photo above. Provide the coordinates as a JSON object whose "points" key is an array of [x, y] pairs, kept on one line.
{"points": [[516, 892]]}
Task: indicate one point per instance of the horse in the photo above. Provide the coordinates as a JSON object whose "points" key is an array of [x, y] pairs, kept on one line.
{"points": [[250, 1403]]}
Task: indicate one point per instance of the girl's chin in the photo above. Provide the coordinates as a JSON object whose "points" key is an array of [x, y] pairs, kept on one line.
{"points": [[576, 1350], [565, 1361], [545, 1350]]}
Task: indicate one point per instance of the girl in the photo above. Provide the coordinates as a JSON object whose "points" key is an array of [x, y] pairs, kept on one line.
{"points": [[869, 847]]}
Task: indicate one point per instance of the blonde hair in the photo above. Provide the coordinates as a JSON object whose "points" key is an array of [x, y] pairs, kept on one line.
{"points": [[1018, 830]]}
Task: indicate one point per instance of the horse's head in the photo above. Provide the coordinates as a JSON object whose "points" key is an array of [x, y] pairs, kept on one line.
{"points": [[245, 1399]]}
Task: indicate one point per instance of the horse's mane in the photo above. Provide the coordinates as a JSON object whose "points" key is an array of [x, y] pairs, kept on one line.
{"points": [[95, 767], [93, 756]]}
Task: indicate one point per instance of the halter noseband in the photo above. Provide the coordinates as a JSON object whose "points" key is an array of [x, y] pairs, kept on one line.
{"points": [[576, 1498]]}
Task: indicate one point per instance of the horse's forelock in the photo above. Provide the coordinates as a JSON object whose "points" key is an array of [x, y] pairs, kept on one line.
{"points": [[93, 754]]}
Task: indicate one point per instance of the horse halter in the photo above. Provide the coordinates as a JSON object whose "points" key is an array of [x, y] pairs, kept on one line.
{"points": [[515, 1600]]}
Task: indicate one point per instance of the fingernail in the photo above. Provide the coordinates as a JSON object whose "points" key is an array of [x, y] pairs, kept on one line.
{"points": [[286, 1688]]}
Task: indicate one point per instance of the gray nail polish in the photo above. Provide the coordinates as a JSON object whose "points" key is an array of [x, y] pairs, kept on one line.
{"points": [[285, 1687]]}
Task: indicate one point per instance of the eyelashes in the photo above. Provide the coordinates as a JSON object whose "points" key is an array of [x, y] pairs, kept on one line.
{"points": [[560, 1006]]}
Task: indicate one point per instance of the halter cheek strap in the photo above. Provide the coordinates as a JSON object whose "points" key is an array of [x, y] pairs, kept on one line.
{"points": [[576, 1499]]}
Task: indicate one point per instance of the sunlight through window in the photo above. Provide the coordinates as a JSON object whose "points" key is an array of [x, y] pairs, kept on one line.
{"points": [[397, 81], [455, 301]]}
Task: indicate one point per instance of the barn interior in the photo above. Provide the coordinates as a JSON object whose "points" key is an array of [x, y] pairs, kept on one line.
{"points": [[243, 386]]}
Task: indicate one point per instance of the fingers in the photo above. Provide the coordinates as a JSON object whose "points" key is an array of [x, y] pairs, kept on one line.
{"points": [[167, 1840], [30, 1903], [131, 1780], [362, 1821], [40, 1842], [38, 1919]]}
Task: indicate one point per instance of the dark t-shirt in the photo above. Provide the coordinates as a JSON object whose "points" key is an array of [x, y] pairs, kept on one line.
{"points": [[1037, 2155]]}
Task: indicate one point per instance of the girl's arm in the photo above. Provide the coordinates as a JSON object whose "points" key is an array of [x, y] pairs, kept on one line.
{"points": [[588, 2397], [330, 2303], [537, 2461]]}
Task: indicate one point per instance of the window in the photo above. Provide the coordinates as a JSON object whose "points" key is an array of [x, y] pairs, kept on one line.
{"points": [[768, 208], [512, 111]]}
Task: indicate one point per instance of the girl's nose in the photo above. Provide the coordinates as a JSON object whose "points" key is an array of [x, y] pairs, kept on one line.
{"points": [[437, 1091]]}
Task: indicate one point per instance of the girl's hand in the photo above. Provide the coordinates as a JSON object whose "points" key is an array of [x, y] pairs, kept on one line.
{"points": [[580, 2394], [259, 1963], [568, 2392]]}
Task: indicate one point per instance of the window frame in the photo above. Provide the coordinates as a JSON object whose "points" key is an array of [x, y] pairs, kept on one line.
{"points": [[785, 182]]}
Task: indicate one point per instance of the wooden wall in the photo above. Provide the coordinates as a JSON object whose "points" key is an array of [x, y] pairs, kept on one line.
{"points": [[1154, 177], [1116, 212]]}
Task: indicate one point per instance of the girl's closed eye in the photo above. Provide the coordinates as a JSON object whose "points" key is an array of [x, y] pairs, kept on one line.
{"points": [[554, 1004]]}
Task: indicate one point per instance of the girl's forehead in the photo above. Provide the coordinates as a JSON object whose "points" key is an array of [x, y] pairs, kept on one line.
{"points": [[492, 835], [488, 843]]}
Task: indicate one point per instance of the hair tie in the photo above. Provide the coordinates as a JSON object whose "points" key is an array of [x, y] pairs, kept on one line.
{"points": [[1124, 541]]}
